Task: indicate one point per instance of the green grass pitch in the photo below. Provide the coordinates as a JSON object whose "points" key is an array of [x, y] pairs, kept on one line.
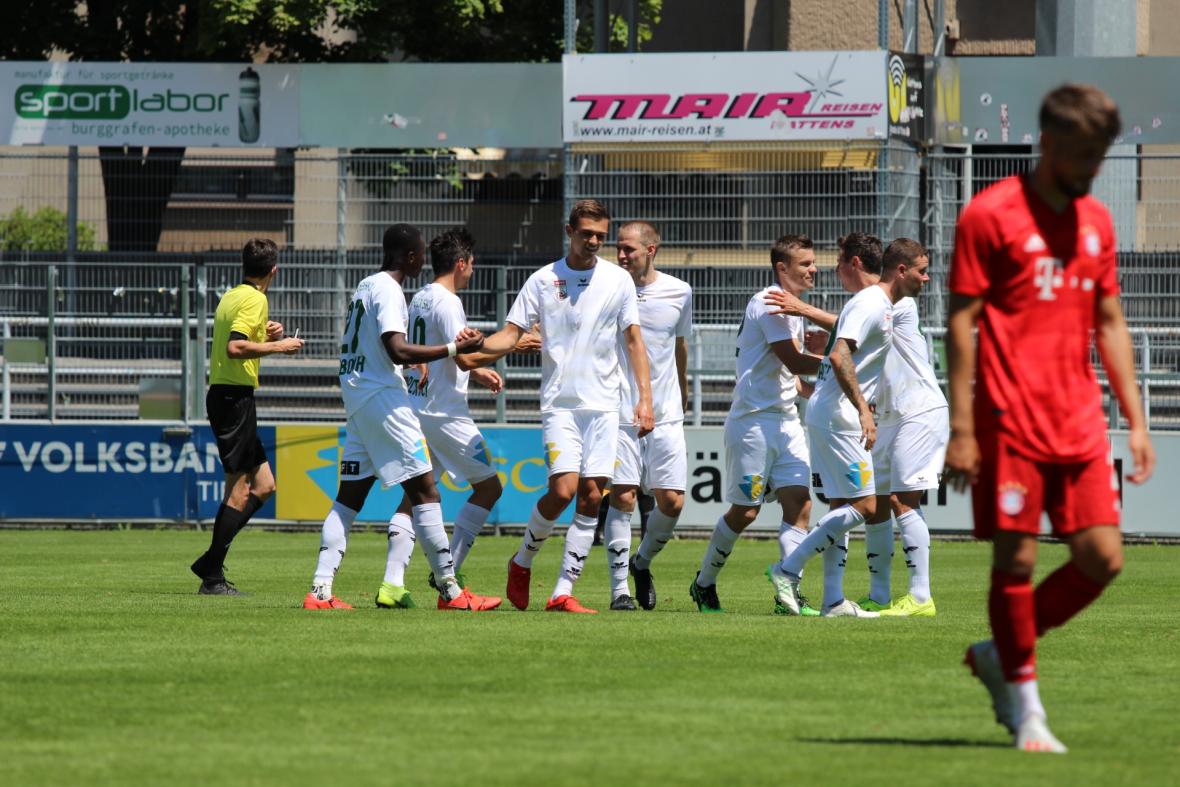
{"points": [[113, 671]]}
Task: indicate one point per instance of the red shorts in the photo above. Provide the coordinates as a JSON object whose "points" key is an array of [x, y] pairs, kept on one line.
{"points": [[1013, 490]]}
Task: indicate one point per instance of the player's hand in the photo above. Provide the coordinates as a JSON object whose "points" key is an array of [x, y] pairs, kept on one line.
{"points": [[644, 418], [962, 461], [528, 343], [274, 331], [815, 342], [469, 340], [868, 428], [489, 379], [786, 303], [423, 372], [289, 346], [1142, 455]]}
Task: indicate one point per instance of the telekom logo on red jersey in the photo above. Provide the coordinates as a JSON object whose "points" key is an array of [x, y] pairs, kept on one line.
{"points": [[666, 106]]}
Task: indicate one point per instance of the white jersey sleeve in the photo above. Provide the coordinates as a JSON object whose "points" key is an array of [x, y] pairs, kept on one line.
{"points": [[526, 308], [436, 317], [911, 387], [763, 382], [377, 307], [665, 313]]}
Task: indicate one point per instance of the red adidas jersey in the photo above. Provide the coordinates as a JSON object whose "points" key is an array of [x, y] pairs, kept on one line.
{"points": [[1041, 275]]}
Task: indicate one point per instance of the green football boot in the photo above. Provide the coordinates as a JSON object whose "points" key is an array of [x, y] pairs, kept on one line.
{"points": [[394, 597]]}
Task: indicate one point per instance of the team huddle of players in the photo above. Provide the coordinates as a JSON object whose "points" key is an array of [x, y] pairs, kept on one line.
{"points": [[612, 340]]}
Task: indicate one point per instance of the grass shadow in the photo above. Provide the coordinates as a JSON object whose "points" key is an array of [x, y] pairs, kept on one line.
{"points": [[898, 741]]}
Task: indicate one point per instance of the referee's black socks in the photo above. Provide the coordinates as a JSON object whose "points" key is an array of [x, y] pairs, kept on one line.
{"points": [[229, 523]]}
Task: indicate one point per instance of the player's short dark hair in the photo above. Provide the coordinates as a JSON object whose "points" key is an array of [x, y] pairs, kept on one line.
{"points": [[786, 246], [902, 251], [588, 209], [647, 232], [397, 243], [449, 248], [259, 257], [865, 246], [1080, 109]]}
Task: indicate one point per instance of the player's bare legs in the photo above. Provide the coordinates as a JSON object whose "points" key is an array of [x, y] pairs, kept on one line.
{"points": [[245, 493]]}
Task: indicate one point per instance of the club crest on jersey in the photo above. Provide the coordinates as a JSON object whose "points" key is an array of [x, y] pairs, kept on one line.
{"points": [[1090, 241], [860, 474], [562, 292], [1012, 497], [752, 486]]}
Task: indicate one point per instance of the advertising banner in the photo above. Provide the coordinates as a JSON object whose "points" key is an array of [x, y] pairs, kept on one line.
{"points": [[84, 472], [153, 104], [739, 96], [430, 105], [113, 472], [905, 87]]}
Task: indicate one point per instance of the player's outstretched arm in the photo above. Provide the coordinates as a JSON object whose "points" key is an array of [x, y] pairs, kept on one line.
{"points": [[1114, 347], [845, 371], [242, 349], [494, 347], [787, 303], [962, 452], [401, 351], [637, 354], [792, 357], [488, 378]]}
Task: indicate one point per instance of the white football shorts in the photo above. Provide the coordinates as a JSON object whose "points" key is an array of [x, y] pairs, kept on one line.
{"points": [[385, 440], [456, 447], [909, 454], [658, 460], [845, 468], [583, 442], [764, 452]]}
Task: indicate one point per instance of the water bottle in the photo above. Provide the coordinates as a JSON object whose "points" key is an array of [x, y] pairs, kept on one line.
{"points": [[249, 106]]}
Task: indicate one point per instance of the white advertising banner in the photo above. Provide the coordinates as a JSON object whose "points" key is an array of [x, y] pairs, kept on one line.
{"points": [[1147, 509], [739, 96], [153, 104]]}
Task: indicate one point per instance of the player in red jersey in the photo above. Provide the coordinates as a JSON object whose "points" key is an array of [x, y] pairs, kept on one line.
{"points": [[1034, 269]]}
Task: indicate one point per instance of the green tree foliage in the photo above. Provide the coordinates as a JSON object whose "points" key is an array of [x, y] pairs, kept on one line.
{"points": [[45, 230]]}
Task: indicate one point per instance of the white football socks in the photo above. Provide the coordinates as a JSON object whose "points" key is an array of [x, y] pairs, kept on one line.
{"points": [[333, 543], [468, 522], [789, 538], [578, 540], [879, 552], [659, 533], [428, 526], [720, 546], [835, 559], [399, 550], [915, 545], [616, 532], [832, 528], [1026, 698], [539, 529]]}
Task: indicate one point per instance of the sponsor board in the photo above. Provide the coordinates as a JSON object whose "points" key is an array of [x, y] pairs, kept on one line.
{"points": [[105, 471], [718, 97], [158, 104], [905, 87]]}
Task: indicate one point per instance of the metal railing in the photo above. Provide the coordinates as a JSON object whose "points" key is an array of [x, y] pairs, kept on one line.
{"points": [[110, 337]]}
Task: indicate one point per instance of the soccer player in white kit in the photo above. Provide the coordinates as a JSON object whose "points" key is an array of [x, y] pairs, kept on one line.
{"points": [[384, 438], [584, 304], [913, 427], [840, 424], [438, 393], [765, 445], [659, 461]]}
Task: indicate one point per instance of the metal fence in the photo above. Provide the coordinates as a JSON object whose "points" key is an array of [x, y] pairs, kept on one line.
{"points": [[95, 340], [97, 330]]}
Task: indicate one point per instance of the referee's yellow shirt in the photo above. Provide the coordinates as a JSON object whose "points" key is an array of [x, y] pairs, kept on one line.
{"points": [[242, 310]]}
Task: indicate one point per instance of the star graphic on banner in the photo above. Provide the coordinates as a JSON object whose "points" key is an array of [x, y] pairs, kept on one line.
{"points": [[823, 85]]}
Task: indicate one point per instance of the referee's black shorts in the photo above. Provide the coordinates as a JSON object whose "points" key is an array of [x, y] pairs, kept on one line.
{"points": [[235, 425]]}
